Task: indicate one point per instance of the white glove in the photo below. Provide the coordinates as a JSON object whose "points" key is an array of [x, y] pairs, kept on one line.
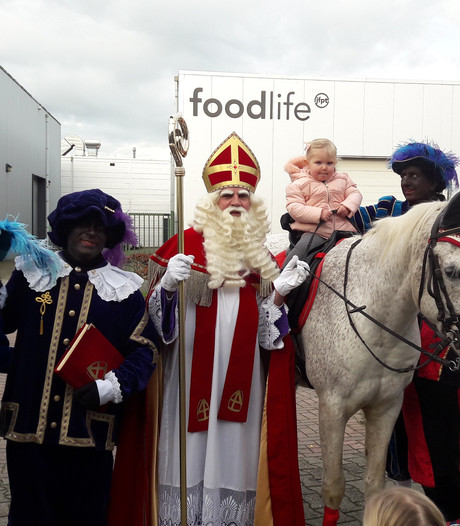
{"points": [[178, 270], [109, 389], [105, 391], [293, 274]]}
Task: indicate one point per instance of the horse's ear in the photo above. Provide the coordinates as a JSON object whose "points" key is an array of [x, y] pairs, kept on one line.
{"points": [[450, 217]]}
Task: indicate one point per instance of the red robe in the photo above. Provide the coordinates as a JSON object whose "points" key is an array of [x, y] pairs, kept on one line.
{"points": [[279, 495]]}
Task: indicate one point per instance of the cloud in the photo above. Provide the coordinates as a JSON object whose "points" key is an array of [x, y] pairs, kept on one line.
{"points": [[106, 70]]}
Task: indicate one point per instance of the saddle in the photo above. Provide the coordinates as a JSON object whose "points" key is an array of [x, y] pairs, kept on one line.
{"points": [[300, 300]]}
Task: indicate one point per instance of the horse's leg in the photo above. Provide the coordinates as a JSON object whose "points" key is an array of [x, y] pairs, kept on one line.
{"points": [[380, 422], [332, 423]]}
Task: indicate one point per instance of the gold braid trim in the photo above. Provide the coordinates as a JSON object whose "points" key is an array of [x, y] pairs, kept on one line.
{"points": [[196, 287], [266, 287], [197, 290]]}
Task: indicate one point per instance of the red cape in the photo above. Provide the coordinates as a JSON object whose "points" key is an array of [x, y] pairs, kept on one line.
{"points": [[193, 245], [134, 488]]}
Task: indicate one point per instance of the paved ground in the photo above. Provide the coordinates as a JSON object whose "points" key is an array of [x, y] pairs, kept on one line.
{"points": [[309, 459], [311, 466], [309, 462]]}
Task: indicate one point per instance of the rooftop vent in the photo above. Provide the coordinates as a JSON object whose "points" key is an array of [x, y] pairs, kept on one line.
{"points": [[92, 147]]}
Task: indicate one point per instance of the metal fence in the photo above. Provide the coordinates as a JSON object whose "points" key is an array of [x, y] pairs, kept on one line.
{"points": [[152, 229]]}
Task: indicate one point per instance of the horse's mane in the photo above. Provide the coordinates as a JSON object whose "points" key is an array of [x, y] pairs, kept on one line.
{"points": [[399, 233]]}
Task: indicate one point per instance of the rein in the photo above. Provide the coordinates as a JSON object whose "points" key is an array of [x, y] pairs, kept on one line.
{"points": [[445, 340]]}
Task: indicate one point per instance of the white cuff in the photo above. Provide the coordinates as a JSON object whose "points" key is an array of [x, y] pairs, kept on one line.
{"points": [[109, 389], [105, 390]]}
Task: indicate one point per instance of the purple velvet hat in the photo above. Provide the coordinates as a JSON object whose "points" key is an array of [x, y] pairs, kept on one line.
{"points": [[74, 207]]}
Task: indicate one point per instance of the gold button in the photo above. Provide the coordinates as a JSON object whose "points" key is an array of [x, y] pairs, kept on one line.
{"points": [[71, 313], [56, 398], [66, 341], [53, 425], [77, 286]]}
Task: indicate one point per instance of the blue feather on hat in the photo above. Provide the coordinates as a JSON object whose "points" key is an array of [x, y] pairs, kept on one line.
{"points": [[441, 164], [14, 238]]}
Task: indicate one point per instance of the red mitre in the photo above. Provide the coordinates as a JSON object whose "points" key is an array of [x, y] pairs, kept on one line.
{"points": [[231, 164]]}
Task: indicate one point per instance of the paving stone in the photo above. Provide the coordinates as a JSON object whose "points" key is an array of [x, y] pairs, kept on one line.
{"points": [[310, 465]]}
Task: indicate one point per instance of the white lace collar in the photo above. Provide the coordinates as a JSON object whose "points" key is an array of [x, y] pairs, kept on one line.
{"points": [[41, 279], [111, 283], [114, 284]]}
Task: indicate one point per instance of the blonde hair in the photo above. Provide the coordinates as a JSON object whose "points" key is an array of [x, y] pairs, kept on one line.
{"points": [[398, 506], [321, 144]]}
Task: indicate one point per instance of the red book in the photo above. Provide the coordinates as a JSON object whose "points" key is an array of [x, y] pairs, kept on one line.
{"points": [[88, 357]]}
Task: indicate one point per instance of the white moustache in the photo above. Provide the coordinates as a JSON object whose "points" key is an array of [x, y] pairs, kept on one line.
{"points": [[228, 211]]}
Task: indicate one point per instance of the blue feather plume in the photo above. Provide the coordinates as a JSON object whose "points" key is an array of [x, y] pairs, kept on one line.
{"points": [[22, 243], [444, 163]]}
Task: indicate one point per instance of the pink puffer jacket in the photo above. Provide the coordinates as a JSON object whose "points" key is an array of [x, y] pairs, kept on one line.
{"points": [[306, 197]]}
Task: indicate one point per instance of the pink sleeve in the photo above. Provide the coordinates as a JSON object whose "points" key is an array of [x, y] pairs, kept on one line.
{"points": [[296, 205]]}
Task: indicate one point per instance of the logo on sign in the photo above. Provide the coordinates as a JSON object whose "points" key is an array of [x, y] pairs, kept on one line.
{"points": [[269, 105], [321, 100]]}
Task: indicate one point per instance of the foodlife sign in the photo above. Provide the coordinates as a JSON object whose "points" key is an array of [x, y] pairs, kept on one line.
{"points": [[275, 116], [266, 106]]}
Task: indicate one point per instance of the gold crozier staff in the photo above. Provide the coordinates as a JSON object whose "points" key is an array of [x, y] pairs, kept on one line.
{"points": [[178, 144]]}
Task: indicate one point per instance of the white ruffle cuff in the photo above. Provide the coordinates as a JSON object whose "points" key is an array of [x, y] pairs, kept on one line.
{"points": [[269, 334]]}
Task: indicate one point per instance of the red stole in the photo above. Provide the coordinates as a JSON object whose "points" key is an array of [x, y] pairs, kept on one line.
{"points": [[237, 387]]}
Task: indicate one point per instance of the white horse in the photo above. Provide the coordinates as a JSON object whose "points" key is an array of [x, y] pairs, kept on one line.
{"points": [[384, 275]]}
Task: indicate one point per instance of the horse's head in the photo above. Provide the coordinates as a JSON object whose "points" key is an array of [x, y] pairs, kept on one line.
{"points": [[440, 283]]}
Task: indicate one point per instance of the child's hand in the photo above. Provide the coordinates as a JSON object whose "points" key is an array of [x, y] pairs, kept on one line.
{"points": [[325, 214], [342, 211]]}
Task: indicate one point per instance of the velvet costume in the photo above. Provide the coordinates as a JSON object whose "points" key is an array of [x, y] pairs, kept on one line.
{"points": [[39, 416], [431, 410], [5, 350], [387, 206]]}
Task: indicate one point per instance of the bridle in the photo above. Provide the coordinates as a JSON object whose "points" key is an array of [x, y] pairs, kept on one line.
{"points": [[450, 320], [449, 335]]}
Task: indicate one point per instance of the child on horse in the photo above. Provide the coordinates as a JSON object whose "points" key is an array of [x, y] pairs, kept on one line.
{"points": [[319, 200]]}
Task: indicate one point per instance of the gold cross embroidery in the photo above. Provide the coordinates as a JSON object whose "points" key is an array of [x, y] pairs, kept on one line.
{"points": [[45, 299], [235, 403], [97, 370], [202, 412]]}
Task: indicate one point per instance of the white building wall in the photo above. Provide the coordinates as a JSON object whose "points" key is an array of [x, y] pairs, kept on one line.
{"points": [[139, 185], [30, 143], [275, 116]]}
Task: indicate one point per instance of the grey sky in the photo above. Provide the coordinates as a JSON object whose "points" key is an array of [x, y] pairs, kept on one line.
{"points": [[105, 69]]}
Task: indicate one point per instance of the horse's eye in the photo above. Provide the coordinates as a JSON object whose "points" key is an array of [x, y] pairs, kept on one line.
{"points": [[452, 271]]}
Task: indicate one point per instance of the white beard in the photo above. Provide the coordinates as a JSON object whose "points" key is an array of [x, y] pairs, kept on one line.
{"points": [[234, 245]]}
